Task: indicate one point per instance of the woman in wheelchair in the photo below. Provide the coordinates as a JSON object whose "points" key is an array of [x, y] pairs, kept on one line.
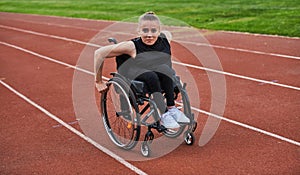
{"points": [[146, 58]]}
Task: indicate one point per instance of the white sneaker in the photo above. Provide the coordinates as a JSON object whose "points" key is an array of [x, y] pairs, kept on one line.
{"points": [[178, 115], [168, 121]]}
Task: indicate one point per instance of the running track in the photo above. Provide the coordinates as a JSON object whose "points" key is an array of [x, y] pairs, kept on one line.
{"points": [[259, 133]]}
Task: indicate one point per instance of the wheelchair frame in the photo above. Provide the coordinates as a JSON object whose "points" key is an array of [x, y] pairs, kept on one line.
{"points": [[138, 107]]}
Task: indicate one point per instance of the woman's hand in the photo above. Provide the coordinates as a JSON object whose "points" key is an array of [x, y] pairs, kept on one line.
{"points": [[101, 86]]}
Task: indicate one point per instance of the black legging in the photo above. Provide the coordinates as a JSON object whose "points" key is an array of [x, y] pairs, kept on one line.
{"points": [[156, 82], [156, 79]]}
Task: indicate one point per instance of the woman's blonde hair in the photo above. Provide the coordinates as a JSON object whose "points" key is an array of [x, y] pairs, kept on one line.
{"points": [[149, 16]]}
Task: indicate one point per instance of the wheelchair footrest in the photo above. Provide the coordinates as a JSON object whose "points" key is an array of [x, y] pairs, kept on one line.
{"points": [[160, 128]]}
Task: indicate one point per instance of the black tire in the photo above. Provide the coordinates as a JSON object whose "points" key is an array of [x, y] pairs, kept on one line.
{"points": [[120, 114], [189, 138], [145, 149]]}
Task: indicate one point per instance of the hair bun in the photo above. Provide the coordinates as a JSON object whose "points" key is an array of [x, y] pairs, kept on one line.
{"points": [[149, 16], [150, 13]]}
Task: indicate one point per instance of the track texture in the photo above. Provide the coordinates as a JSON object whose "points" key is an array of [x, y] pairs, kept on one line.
{"points": [[33, 143]]}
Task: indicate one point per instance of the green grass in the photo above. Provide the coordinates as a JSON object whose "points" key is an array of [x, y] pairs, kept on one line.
{"points": [[256, 16]]}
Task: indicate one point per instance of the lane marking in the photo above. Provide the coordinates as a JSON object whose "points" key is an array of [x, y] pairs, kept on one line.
{"points": [[243, 50], [248, 127], [179, 41], [270, 81], [179, 63], [63, 25], [61, 122], [239, 76], [109, 22], [193, 108], [49, 59], [69, 123], [260, 35], [49, 36]]}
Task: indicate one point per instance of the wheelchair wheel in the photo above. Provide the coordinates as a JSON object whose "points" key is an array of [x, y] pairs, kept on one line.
{"points": [[120, 114], [145, 149], [183, 104], [189, 138]]}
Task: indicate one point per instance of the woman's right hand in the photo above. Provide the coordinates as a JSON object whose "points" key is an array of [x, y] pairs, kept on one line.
{"points": [[101, 86]]}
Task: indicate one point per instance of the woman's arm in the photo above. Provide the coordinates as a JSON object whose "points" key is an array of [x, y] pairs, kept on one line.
{"points": [[109, 52], [167, 34]]}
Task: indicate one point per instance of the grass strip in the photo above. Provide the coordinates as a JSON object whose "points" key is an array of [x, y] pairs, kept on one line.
{"points": [[274, 17]]}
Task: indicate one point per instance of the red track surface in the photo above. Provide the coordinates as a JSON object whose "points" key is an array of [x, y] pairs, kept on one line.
{"points": [[33, 143]]}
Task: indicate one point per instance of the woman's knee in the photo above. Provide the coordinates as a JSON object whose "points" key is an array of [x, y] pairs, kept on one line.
{"points": [[148, 77], [152, 81], [166, 70]]}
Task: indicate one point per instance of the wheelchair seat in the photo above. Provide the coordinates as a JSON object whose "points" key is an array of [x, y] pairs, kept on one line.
{"points": [[140, 89]]}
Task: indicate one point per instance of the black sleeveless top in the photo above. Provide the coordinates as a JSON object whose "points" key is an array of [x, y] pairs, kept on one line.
{"points": [[148, 56]]}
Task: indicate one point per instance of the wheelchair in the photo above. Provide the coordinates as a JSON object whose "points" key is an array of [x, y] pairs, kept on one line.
{"points": [[126, 107]]}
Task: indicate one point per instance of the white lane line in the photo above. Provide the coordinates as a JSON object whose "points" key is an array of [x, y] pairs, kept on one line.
{"points": [[49, 36], [179, 63], [202, 44], [239, 76], [243, 50], [64, 25], [193, 108], [61, 122], [109, 22], [49, 59], [248, 127], [260, 35]]}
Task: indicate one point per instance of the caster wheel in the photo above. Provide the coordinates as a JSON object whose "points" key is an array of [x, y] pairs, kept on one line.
{"points": [[189, 138], [145, 149]]}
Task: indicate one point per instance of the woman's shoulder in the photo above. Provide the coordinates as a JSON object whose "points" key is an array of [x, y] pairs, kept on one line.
{"points": [[136, 41], [167, 35]]}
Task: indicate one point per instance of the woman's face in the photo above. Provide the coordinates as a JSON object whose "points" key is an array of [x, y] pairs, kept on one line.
{"points": [[149, 31]]}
